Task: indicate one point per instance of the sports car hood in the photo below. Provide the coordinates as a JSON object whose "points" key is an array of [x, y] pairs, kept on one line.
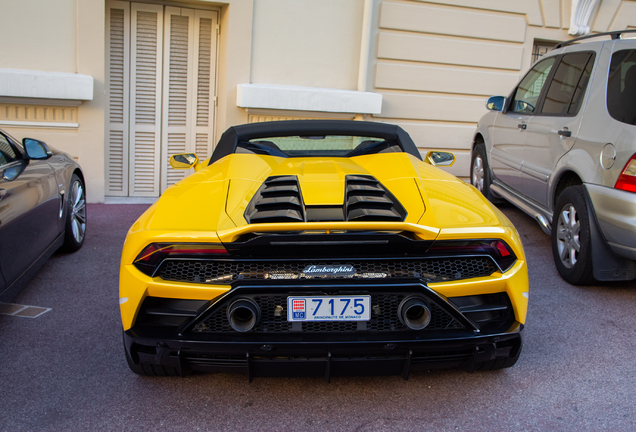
{"points": [[216, 197]]}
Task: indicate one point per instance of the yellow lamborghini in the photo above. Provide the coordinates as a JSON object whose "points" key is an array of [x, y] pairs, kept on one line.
{"points": [[321, 248]]}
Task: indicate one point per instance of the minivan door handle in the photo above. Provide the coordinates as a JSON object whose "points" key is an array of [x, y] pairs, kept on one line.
{"points": [[522, 126], [565, 133]]}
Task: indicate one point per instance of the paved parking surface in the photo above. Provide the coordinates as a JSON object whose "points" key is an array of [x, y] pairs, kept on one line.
{"points": [[65, 369]]}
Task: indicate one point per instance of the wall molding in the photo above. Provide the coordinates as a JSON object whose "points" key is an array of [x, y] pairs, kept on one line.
{"points": [[45, 85], [39, 124], [580, 17], [294, 98], [24, 115]]}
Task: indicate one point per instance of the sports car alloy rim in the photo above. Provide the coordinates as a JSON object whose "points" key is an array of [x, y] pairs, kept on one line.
{"points": [[78, 212], [478, 173], [568, 242]]}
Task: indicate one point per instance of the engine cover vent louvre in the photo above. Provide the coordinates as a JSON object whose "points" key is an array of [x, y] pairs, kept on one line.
{"points": [[367, 200], [277, 200]]}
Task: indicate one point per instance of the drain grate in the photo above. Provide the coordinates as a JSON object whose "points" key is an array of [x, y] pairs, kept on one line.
{"points": [[22, 310]]}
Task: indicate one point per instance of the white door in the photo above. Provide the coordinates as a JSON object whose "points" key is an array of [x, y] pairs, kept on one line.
{"points": [[117, 118], [190, 43], [161, 85]]}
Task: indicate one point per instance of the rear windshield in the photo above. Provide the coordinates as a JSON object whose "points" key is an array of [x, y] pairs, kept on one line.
{"points": [[318, 146], [621, 86]]}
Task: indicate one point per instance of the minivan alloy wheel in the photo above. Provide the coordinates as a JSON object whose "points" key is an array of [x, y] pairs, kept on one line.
{"points": [[477, 179], [571, 239], [568, 229]]}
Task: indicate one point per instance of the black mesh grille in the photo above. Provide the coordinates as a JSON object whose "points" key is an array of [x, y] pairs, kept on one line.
{"points": [[220, 272], [274, 317]]}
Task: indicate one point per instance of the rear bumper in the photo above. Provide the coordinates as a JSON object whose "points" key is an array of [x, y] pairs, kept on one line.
{"points": [[463, 350], [616, 214]]}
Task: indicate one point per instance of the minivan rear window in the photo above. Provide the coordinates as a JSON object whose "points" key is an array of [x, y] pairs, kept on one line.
{"points": [[621, 86]]}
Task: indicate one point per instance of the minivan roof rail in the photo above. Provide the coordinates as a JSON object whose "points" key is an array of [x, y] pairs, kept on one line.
{"points": [[614, 34]]}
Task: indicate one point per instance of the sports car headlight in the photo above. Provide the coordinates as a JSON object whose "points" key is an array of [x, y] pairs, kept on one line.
{"points": [[153, 255], [497, 249]]}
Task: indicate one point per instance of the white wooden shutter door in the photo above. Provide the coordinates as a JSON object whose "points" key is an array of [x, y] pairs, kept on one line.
{"points": [[177, 88], [118, 42], [145, 98], [205, 34]]}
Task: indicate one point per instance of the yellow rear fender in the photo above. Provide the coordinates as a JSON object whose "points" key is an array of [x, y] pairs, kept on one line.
{"points": [[514, 282]]}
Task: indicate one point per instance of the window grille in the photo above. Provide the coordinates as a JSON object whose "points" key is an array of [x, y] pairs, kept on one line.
{"points": [[541, 48]]}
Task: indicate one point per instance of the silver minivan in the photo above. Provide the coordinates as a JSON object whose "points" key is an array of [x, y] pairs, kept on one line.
{"points": [[562, 148]]}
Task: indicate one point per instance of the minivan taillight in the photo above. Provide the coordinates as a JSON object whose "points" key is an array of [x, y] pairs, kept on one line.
{"points": [[627, 180]]}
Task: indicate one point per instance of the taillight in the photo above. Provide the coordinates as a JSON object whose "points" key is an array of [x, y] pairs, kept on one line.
{"points": [[498, 250], [627, 180], [153, 255]]}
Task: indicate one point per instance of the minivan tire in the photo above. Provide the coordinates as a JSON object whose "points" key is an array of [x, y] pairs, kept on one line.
{"points": [[480, 172], [571, 240]]}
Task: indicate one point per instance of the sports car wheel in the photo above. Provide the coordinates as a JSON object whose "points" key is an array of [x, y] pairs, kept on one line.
{"points": [[75, 228], [571, 237], [480, 172]]}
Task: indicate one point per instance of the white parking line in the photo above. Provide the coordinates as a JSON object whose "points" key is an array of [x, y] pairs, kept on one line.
{"points": [[22, 310]]}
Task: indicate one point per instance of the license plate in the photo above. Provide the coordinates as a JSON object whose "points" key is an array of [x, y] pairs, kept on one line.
{"points": [[323, 308]]}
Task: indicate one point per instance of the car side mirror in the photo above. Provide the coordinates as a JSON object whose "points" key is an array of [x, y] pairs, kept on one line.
{"points": [[36, 149], [13, 172], [184, 161], [495, 103], [440, 158]]}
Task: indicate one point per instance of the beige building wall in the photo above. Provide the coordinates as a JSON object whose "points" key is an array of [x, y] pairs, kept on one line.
{"points": [[58, 36], [312, 43], [68, 37], [234, 60], [432, 63], [45, 32], [437, 61]]}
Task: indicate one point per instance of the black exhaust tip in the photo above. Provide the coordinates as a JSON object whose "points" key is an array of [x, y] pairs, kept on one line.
{"points": [[414, 313], [243, 314]]}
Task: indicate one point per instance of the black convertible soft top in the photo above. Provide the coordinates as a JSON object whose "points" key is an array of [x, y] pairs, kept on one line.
{"points": [[231, 137]]}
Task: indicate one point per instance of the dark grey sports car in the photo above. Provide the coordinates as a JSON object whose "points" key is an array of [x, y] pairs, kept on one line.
{"points": [[42, 209]]}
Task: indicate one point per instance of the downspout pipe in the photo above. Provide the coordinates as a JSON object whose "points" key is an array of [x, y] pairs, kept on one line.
{"points": [[365, 46]]}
